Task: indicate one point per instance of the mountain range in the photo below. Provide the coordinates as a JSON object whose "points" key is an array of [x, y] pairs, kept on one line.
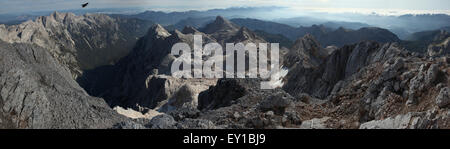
{"points": [[113, 71]]}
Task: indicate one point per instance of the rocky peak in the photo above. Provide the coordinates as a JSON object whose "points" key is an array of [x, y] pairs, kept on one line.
{"points": [[245, 35], [158, 31], [58, 16], [307, 51], [220, 20], [220, 24], [61, 17], [189, 30], [341, 64]]}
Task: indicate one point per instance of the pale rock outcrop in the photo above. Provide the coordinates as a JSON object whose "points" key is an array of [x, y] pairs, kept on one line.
{"points": [[443, 98], [411, 120], [316, 123]]}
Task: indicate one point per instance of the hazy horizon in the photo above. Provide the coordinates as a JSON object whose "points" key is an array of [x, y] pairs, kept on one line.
{"points": [[382, 7]]}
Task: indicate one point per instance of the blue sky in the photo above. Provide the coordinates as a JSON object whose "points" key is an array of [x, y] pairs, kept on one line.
{"points": [[20, 6]]}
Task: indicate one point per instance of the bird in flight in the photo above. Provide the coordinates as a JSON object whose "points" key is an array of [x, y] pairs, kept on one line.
{"points": [[84, 5]]}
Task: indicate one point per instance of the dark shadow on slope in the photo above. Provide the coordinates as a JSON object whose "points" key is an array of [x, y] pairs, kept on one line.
{"points": [[96, 82]]}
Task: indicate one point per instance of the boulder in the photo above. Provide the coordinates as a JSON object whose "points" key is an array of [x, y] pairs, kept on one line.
{"points": [[196, 124], [316, 123], [162, 121], [443, 98], [277, 103]]}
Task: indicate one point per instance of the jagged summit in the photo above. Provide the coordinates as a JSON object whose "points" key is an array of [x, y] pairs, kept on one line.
{"points": [[158, 31], [220, 19], [189, 30], [60, 16], [220, 24], [246, 35], [307, 51], [245, 32]]}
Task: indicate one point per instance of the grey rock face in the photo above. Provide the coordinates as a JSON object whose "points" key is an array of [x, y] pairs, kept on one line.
{"points": [[307, 51], [184, 112], [244, 35], [37, 92], [316, 123], [165, 121], [221, 29], [432, 74], [343, 63], [443, 98], [398, 122], [360, 56], [128, 125], [162, 121], [183, 97], [440, 46], [392, 70], [426, 77], [277, 103], [412, 120], [79, 42], [196, 124]]}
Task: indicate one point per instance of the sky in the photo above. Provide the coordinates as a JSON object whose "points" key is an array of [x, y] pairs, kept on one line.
{"points": [[361, 6]]}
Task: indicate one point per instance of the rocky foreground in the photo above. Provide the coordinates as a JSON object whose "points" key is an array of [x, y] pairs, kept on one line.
{"points": [[45, 82]]}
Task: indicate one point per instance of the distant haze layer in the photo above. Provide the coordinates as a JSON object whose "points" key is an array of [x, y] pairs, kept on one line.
{"points": [[385, 7]]}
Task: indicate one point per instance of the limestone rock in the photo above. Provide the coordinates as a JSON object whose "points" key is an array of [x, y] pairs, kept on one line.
{"points": [[443, 98], [196, 124], [316, 123], [277, 103], [412, 120], [37, 92], [163, 121], [79, 42]]}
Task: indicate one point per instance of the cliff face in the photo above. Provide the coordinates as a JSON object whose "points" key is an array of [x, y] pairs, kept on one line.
{"points": [[439, 45], [306, 51], [79, 42], [37, 92]]}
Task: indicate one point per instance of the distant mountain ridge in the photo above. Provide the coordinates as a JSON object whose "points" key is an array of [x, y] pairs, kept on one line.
{"points": [[420, 41], [325, 36]]}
